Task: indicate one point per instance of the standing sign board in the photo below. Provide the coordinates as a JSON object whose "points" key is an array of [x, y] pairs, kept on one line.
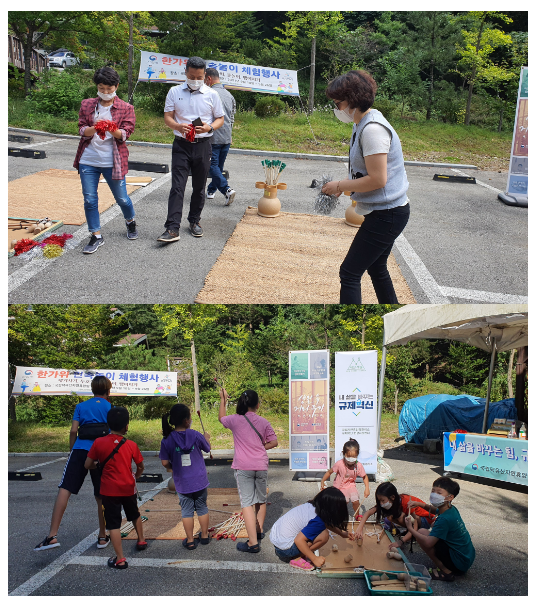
{"points": [[517, 188], [169, 69], [309, 409], [44, 381], [356, 404]]}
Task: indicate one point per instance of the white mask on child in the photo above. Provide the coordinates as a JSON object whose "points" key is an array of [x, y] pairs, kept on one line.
{"points": [[351, 459], [386, 506], [106, 97], [436, 499]]}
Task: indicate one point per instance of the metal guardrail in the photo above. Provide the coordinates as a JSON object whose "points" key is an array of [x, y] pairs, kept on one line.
{"points": [[16, 55]]}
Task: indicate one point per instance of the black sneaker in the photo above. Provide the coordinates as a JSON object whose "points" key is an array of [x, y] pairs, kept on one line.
{"points": [[94, 244], [196, 229], [132, 233], [168, 236]]}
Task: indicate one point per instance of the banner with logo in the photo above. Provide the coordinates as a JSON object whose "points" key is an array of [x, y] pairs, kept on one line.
{"points": [[505, 459], [518, 171], [169, 69], [356, 404], [43, 381], [309, 409]]}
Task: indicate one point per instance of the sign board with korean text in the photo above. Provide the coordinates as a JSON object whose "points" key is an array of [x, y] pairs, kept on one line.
{"points": [[503, 459], [309, 410], [169, 69], [518, 172], [43, 381], [356, 404]]}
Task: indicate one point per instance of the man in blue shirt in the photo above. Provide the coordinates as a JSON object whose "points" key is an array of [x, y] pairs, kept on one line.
{"points": [[93, 411]]}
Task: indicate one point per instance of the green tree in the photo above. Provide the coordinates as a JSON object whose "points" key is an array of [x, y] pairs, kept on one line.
{"points": [[481, 39], [398, 370], [466, 365], [188, 320]]}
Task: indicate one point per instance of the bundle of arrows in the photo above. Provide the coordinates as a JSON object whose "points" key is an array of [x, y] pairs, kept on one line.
{"points": [[272, 170], [230, 528]]}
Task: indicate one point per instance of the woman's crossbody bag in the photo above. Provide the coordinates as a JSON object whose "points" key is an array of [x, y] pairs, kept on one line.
{"points": [[258, 433]]}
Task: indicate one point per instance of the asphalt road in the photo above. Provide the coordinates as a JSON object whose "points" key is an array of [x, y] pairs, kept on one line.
{"points": [[461, 244], [495, 514]]}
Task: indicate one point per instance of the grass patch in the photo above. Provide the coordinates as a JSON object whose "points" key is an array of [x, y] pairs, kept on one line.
{"points": [[421, 140]]}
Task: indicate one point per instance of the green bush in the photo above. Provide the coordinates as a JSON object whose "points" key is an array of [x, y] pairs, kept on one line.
{"points": [[276, 399], [155, 408], [15, 82], [386, 107], [269, 106], [58, 94], [46, 409]]}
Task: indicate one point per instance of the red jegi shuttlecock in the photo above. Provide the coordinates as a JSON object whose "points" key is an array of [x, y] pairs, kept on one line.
{"points": [[190, 135], [104, 126]]}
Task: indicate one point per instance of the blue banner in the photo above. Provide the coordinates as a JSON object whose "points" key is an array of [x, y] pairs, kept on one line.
{"points": [[487, 456]]}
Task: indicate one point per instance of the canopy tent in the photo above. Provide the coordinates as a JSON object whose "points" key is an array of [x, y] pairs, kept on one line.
{"points": [[491, 327]]}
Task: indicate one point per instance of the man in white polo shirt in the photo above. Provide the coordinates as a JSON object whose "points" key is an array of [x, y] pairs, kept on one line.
{"points": [[185, 103]]}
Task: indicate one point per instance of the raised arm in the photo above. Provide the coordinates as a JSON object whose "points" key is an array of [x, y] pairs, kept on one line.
{"points": [[223, 403]]}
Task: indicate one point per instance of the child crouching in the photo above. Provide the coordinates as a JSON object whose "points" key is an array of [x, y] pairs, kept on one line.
{"points": [[304, 529]]}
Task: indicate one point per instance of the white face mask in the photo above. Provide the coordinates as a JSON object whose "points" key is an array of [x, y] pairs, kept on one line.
{"points": [[351, 459], [194, 84], [386, 506], [341, 115], [106, 97], [436, 499]]}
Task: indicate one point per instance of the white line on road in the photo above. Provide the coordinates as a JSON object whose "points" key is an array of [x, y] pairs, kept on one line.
{"points": [[473, 294], [57, 140], [59, 564], [41, 464], [263, 567], [35, 266], [421, 273], [478, 182]]}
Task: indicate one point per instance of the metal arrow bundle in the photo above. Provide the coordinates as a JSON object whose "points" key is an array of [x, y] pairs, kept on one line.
{"points": [[324, 204], [272, 170]]}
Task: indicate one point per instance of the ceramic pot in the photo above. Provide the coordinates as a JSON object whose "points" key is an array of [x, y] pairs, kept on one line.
{"points": [[269, 205]]}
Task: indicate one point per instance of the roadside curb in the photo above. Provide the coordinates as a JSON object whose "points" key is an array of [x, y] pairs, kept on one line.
{"points": [[258, 152]]}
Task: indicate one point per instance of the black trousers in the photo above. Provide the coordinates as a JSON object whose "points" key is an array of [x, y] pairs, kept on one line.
{"points": [[369, 252], [187, 156]]}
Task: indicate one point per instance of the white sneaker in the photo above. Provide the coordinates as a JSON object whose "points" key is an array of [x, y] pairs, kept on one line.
{"points": [[229, 197], [211, 195]]}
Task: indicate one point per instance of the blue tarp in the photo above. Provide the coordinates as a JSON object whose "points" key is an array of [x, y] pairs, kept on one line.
{"points": [[430, 415]]}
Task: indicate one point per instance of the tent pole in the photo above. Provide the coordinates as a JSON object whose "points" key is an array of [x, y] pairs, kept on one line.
{"points": [[490, 379], [380, 390]]}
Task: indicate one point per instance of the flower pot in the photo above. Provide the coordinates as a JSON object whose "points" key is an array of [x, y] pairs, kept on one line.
{"points": [[351, 217], [269, 205]]}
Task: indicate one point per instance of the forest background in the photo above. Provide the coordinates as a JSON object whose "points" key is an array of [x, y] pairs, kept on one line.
{"points": [[447, 81], [244, 346]]}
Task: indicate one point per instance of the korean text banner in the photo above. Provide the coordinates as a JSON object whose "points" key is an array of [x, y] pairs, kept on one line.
{"points": [[518, 173], [356, 404], [168, 69], [309, 410], [42, 381], [503, 459]]}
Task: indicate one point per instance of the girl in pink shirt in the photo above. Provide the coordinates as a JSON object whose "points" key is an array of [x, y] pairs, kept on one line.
{"points": [[253, 436], [347, 470]]}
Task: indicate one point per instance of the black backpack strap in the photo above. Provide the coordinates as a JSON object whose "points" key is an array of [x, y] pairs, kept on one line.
{"points": [[121, 443], [258, 433]]}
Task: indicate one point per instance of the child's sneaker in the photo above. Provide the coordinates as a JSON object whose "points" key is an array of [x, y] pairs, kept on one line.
{"points": [[132, 233]]}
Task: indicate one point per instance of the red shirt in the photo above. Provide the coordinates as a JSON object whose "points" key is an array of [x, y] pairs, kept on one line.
{"points": [[123, 115], [404, 500], [117, 477]]}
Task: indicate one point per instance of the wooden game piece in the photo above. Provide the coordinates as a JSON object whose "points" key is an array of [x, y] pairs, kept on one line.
{"points": [[335, 548], [412, 587], [384, 577], [360, 541], [30, 228], [402, 576], [394, 555], [375, 578], [348, 558]]}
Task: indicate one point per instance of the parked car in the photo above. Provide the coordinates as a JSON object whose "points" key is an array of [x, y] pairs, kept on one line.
{"points": [[62, 58]]}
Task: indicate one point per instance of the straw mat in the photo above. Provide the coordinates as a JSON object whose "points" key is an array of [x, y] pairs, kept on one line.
{"points": [[56, 194], [165, 520], [290, 259]]}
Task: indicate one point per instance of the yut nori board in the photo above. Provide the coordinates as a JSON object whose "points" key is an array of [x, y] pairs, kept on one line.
{"points": [[43, 381], [487, 456], [309, 409], [356, 404], [169, 69]]}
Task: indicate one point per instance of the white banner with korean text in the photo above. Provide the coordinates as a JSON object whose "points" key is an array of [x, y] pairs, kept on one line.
{"points": [[356, 400], [44, 380], [309, 410], [169, 69]]}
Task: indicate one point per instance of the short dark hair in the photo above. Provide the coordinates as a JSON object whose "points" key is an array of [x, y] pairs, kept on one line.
{"points": [[100, 385], [444, 482], [213, 73], [176, 417], [330, 506], [248, 400], [195, 63], [106, 76], [350, 444], [357, 87], [117, 418]]}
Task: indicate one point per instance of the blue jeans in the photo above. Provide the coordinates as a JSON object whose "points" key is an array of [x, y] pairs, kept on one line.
{"points": [[286, 555], [90, 176], [219, 155]]}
